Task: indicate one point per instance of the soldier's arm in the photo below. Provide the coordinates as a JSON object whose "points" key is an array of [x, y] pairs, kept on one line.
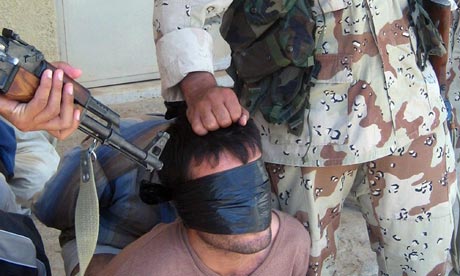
{"points": [[210, 107], [187, 72]]}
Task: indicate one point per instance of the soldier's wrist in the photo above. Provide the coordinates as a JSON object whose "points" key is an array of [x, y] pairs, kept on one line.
{"points": [[195, 83]]}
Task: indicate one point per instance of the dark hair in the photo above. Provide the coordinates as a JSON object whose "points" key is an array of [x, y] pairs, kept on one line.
{"points": [[184, 146]]}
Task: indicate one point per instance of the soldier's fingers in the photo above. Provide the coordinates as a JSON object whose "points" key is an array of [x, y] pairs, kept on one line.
{"points": [[57, 124], [75, 123], [53, 105], [243, 120], [222, 117], [54, 102], [234, 109], [209, 120], [67, 106], [40, 99], [196, 123], [63, 134], [68, 69]]}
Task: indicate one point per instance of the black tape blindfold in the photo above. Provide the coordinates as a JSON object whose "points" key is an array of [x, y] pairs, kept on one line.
{"points": [[236, 201]]}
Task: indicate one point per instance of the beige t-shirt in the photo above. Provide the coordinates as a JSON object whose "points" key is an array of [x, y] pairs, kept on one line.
{"points": [[165, 251]]}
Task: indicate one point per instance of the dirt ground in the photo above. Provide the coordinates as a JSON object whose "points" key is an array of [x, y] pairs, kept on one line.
{"points": [[354, 257]]}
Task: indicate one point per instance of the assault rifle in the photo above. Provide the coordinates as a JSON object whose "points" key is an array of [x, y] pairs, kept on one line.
{"points": [[21, 66]]}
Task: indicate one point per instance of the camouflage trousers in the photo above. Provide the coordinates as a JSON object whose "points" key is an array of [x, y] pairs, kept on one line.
{"points": [[456, 208], [406, 199]]}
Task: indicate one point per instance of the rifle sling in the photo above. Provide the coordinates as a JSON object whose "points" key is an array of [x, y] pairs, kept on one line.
{"points": [[86, 212]]}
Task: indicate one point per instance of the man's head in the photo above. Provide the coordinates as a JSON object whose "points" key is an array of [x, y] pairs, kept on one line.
{"points": [[220, 187], [185, 148]]}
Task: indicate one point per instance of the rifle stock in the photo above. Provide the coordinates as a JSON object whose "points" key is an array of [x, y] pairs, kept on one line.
{"points": [[23, 86]]}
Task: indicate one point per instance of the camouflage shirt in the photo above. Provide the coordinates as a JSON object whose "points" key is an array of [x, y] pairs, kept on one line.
{"points": [[369, 100], [453, 75]]}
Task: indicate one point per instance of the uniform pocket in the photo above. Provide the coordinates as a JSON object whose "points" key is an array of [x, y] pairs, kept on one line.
{"points": [[328, 118], [335, 68]]}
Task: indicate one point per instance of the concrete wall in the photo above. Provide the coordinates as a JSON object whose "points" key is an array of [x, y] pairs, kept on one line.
{"points": [[37, 22], [34, 21]]}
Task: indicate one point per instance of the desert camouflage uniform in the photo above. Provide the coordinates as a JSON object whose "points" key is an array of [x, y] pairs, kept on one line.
{"points": [[371, 108], [453, 76], [453, 94]]}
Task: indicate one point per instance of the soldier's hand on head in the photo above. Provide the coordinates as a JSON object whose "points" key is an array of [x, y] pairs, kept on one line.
{"points": [[51, 109], [210, 107]]}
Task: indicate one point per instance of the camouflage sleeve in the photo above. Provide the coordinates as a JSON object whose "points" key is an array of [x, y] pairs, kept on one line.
{"points": [[182, 43]]}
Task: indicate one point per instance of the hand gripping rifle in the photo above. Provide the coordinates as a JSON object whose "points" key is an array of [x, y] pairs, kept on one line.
{"points": [[21, 66]]}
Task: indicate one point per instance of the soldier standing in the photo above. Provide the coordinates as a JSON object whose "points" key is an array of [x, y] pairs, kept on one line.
{"points": [[335, 87], [453, 97]]}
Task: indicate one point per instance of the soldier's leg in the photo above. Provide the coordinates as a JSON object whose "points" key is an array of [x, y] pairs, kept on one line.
{"points": [[456, 211], [36, 161], [409, 208], [7, 198], [315, 196]]}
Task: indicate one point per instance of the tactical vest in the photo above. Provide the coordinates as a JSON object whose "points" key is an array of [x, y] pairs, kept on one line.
{"points": [[429, 40], [272, 47]]}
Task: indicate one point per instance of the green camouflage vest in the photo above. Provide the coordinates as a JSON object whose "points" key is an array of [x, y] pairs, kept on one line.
{"points": [[272, 47], [429, 41]]}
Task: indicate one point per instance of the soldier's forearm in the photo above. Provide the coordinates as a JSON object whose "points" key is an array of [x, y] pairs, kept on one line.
{"points": [[196, 82]]}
